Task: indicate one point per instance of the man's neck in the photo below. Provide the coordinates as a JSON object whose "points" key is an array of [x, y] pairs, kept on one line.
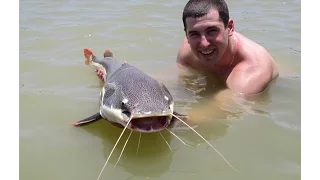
{"points": [[227, 59]]}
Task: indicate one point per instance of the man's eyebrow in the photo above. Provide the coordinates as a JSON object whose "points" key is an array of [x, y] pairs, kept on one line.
{"points": [[212, 27], [193, 31], [208, 28]]}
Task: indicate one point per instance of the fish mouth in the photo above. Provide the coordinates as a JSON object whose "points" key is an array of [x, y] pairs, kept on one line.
{"points": [[150, 124]]}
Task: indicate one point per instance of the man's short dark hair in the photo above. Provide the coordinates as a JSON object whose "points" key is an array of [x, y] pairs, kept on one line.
{"points": [[199, 8]]}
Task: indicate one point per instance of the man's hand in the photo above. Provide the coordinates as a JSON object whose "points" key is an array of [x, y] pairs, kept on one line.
{"points": [[100, 73]]}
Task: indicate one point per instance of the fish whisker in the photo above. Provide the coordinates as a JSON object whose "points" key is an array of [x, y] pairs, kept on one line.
{"points": [[178, 138], [165, 140], [206, 142], [138, 143], [124, 129], [124, 146]]}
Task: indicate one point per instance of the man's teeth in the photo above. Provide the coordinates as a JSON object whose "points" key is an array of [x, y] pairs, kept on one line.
{"points": [[207, 52]]}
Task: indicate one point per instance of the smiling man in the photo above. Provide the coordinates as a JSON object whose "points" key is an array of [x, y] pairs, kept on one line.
{"points": [[212, 45]]}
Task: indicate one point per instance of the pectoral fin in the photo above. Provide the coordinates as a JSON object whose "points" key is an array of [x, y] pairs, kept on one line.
{"points": [[181, 116], [90, 119]]}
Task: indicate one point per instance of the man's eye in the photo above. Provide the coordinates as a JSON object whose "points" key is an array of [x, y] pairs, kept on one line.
{"points": [[193, 34], [212, 30]]}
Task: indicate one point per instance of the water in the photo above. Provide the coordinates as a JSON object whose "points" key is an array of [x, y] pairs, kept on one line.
{"points": [[259, 136]]}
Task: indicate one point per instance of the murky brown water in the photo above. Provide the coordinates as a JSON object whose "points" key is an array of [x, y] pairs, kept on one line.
{"points": [[259, 136]]}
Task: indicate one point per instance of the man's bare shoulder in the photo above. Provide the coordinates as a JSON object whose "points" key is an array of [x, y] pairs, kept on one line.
{"points": [[255, 55], [185, 55], [255, 71], [253, 76]]}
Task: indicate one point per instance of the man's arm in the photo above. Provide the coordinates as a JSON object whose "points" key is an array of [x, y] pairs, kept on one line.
{"points": [[252, 81]]}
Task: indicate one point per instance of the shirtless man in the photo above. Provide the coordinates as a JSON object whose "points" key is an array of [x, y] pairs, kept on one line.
{"points": [[213, 45]]}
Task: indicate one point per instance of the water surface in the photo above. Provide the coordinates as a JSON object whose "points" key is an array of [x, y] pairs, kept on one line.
{"points": [[259, 136]]}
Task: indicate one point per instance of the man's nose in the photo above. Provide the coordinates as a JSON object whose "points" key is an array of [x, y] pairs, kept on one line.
{"points": [[204, 41]]}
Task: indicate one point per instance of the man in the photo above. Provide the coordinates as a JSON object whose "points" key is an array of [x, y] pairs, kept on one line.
{"points": [[212, 45]]}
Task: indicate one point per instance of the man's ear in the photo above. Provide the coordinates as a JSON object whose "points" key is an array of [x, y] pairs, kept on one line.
{"points": [[230, 27], [186, 36]]}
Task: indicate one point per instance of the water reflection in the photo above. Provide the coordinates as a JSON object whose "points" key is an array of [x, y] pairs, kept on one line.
{"points": [[151, 159], [212, 107]]}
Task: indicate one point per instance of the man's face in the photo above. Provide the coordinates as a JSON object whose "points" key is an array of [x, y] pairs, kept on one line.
{"points": [[207, 36]]}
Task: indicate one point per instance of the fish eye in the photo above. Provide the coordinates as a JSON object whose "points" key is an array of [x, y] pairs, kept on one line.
{"points": [[124, 101]]}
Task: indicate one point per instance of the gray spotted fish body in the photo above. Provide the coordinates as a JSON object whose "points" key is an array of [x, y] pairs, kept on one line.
{"points": [[137, 92], [130, 92], [130, 98]]}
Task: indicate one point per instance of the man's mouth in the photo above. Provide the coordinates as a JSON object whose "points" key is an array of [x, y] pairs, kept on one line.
{"points": [[206, 52]]}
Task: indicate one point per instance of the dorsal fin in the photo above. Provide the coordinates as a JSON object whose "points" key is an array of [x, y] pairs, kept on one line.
{"points": [[107, 53]]}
